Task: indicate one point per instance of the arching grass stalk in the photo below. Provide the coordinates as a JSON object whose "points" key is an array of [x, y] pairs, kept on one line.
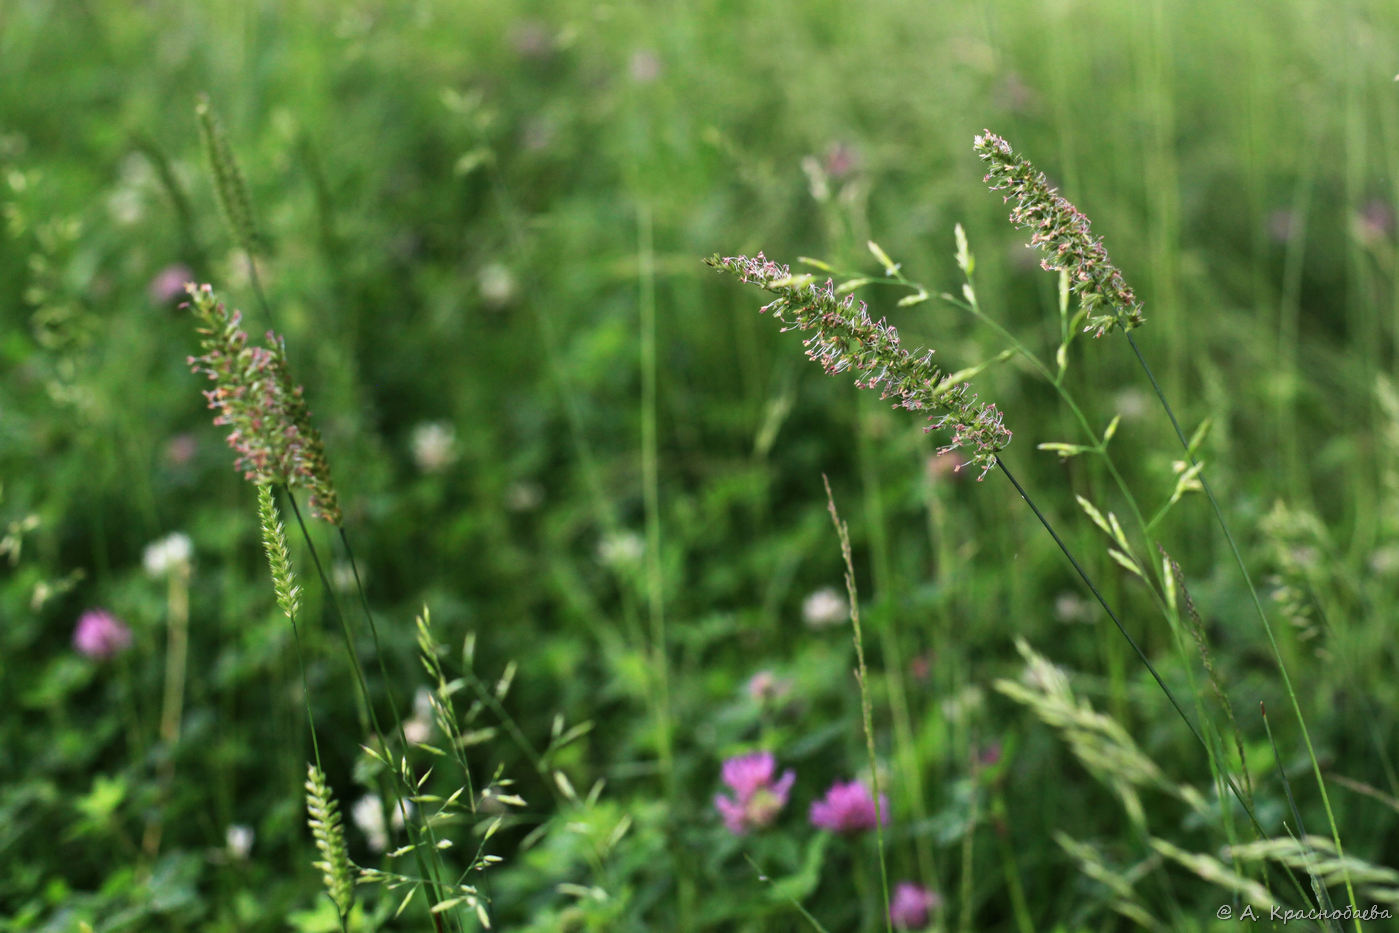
{"points": [[1292, 806], [277, 443], [845, 338], [322, 810], [1132, 642], [273, 431], [1063, 235], [1098, 445], [390, 787], [173, 699]]}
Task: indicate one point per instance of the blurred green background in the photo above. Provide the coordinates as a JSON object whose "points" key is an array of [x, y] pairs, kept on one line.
{"points": [[552, 425]]}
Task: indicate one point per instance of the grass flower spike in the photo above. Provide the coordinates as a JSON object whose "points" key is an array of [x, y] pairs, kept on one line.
{"points": [[254, 395], [274, 542], [846, 338], [323, 816], [1063, 234]]}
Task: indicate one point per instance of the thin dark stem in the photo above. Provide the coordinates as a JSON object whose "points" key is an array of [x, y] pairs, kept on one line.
{"points": [[1262, 616], [256, 282], [1170, 696], [1317, 886], [1083, 575], [435, 884], [305, 685]]}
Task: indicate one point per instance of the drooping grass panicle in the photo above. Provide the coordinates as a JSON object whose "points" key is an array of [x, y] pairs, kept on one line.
{"points": [[255, 397], [229, 185], [274, 542], [1063, 235], [323, 816], [847, 338]]}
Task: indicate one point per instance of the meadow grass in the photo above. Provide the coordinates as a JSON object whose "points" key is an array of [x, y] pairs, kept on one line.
{"points": [[477, 230]]}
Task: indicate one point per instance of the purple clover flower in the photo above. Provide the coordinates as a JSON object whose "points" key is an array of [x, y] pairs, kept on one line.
{"points": [[757, 798], [767, 689], [911, 906], [849, 808], [101, 635], [169, 284]]}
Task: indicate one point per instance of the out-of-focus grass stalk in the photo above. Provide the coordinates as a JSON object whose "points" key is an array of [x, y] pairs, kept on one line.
{"points": [[862, 680], [173, 702]]}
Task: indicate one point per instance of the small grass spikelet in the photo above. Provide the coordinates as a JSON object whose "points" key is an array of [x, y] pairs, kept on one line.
{"points": [[1063, 235], [846, 338], [323, 816], [274, 542], [228, 181]]}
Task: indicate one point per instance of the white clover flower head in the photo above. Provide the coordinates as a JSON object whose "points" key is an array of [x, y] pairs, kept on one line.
{"points": [[1131, 403], [1071, 607], [1385, 560], [825, 608], [434, 446], [964, 703], [766, 688], [644, 66], [127, 206], [238, 839], [523, 496], [497, 285], [621, 549], [171, 553], [368, 815], [342, 576], [418, 728]]}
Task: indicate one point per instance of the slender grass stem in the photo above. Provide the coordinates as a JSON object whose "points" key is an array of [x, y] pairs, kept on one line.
{"points": [[1317, 886], [173, 704], [796, 904], [435, 889], [862, 679], [1010, 867], [301, 667], [650, 483], [911, 789]]}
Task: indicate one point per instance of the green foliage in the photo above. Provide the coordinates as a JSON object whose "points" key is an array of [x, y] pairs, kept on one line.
{"points": [[459, 216]]}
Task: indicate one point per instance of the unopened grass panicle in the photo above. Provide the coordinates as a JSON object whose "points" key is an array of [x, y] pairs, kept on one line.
{"points": [[323, 816], [229, 185], [274, 542]]}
